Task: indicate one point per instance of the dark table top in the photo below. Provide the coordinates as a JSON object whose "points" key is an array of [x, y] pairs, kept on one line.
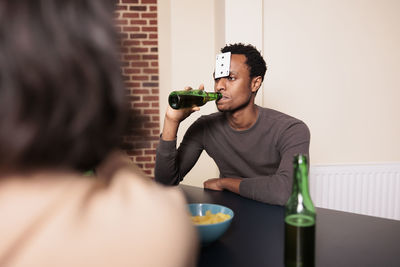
{"points": [[256, 235]]}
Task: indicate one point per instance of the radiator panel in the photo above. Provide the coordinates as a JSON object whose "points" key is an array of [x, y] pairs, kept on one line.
{"points": [[372, 189]]}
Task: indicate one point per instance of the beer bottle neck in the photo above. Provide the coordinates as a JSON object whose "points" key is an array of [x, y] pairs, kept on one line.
{"points": [[300, 182], [213, 96], [300, 209]]}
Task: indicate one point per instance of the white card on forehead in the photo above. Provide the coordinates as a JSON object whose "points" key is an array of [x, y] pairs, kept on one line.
{"points": [[222, 65]]}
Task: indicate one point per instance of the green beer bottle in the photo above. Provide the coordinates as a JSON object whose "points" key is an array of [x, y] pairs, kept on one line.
{"points": [[300, 219], [191, 98]]}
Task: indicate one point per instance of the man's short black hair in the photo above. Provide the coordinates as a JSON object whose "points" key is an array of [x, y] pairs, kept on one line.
{"points": [[255, 61]]}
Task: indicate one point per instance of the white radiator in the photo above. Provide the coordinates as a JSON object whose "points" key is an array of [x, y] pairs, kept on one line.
{"points": [[372, 189]]}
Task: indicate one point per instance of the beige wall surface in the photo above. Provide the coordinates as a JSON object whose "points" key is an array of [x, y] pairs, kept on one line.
{"points": [[333, 64], [336, 65]]}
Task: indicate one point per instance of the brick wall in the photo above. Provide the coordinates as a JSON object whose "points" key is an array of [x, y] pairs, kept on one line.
{"points": [[137, 22]]}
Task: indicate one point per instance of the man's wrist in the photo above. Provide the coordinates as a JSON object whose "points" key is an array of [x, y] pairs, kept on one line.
{"points": [[170, 129], [220, 183]]}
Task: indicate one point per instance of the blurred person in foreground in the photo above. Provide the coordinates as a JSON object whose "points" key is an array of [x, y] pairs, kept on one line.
{"points": [[62, 111], [252, 146]]}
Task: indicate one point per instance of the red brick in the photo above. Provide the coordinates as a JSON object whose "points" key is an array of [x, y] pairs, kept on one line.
{"points": [[150, 98], [119, 7], [149, 15], [141, 105], [151, 125], [140, 64], [132, 57], [130, 1], [138, 22], [150, 152], [153, 8], [133, 71], [141, 159], [150, 70], [121, 22], [130, 15], [150, 84], [138, 8], [153, 42], [149, 165], [139, 145], [141, 91], [150, 57], [140, 78], [149, 29], [133, 98], [131, 29], [153, 36], [131, 84], [138, 35], [149, 1], [151, 111], [131, 42], [139, 49], [153, 22]]}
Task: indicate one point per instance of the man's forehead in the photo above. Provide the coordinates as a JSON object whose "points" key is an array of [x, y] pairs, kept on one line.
{"points": [[222, 65]]}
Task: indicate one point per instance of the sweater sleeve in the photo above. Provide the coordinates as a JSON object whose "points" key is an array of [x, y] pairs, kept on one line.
{"points": [[276, 188], [173, 164]]}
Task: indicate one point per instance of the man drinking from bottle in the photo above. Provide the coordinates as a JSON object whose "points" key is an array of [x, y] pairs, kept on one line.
{"points": [[252, 146]]}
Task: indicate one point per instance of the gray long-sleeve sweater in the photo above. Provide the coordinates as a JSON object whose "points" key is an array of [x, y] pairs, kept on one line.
{"points": [[262, 154]]}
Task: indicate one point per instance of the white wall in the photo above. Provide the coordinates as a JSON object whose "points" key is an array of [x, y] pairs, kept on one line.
{"points": [[333, 64]]}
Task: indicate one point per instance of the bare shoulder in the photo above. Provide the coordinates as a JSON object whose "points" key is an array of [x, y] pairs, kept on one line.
{"points": [[154, 216]]}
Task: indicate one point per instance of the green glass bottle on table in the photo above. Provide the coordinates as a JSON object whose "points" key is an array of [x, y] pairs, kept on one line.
{"points": [[191, 98], [300, 219]]}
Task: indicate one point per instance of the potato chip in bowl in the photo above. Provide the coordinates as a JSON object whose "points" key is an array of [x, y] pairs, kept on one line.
{"points": [[211, 220]]}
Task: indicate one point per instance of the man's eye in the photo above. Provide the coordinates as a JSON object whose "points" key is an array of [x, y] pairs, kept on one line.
{"points": [[216, 79], [231, 78]]}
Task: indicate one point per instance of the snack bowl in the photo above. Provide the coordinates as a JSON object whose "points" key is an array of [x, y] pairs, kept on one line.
{"points": [[210, 232]]}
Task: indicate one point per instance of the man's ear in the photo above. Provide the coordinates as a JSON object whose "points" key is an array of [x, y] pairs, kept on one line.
{"points": [[256, 83]]}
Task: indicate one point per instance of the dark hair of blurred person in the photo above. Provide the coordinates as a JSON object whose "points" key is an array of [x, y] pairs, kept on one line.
{"points": [[61, 112], [61, 95]]}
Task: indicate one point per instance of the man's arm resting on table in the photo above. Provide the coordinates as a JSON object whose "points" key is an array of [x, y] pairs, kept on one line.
{"points": [[219, 184]]}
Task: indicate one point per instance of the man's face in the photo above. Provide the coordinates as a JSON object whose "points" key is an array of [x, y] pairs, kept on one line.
{"points": [[236, 88]]}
